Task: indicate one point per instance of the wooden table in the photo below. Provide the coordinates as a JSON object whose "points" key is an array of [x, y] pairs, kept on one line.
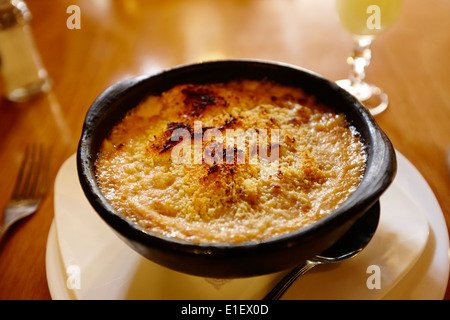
{"points": [[120, 39]]}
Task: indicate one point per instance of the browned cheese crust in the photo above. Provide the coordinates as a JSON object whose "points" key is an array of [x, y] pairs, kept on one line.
{"points": [[176, 166]]}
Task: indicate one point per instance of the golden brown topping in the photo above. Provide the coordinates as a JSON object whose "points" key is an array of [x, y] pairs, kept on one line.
{"points": [[229, 162], [198, 98]]}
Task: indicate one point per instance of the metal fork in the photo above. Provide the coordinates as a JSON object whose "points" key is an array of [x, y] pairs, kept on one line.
{"points": [[30, 187]]}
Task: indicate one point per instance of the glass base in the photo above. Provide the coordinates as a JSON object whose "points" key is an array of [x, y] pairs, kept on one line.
{"points": [[30, 91], [371, 97]]}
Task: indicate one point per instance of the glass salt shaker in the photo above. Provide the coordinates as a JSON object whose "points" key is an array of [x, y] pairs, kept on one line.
{"points": [[23, 73]]}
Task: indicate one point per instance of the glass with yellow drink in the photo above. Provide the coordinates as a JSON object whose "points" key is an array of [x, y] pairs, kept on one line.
{"points": [[365, 19], [368, 17]]}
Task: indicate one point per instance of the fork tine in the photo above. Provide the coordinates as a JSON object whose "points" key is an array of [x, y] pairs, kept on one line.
{"points": [[20, 176], [34, 171], [32, 179]]}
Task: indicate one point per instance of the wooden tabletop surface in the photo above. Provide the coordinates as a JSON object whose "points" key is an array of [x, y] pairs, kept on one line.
{"points": [[121, 39]]}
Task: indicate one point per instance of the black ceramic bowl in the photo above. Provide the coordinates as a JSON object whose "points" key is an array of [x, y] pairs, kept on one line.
{"points": [[248, 258]]}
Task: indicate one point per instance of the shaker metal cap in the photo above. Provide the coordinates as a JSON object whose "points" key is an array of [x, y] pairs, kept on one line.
{"points": [[12, 13]]}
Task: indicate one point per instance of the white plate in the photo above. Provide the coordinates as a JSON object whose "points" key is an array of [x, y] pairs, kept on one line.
{"points": [[86, 260]]}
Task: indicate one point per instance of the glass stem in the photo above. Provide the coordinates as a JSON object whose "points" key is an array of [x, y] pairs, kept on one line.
{"points": [[359, 60]]}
